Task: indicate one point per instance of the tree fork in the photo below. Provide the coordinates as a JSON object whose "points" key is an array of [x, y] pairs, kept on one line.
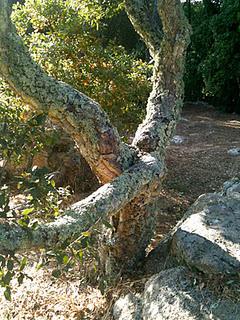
{"points": [[106, 201], [165, 30], [132, 172]]}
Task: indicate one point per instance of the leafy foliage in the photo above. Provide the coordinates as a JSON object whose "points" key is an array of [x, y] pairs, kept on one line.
{"points": [[42, 202], [213, 63], [23, 134], [67, 39], [221, 67], [16, 139]]}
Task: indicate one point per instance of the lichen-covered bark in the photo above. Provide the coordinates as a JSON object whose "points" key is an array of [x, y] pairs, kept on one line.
{"points": [[134, 227], [165, 101], [81, 117], [145, 18], [167, 42], [108, 199]]}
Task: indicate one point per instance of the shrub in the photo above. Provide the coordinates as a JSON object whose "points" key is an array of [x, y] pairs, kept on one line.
{"points": [[67, 39]]}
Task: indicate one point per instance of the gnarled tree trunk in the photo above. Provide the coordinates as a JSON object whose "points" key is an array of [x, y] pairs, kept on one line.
{"points": [[164, 29], [130, 174]]}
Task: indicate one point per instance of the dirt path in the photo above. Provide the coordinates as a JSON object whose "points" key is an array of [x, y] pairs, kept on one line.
{"points": [[201, 163]]}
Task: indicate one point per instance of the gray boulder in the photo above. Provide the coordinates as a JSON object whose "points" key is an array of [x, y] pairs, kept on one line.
{"points": [[232, 188], [128, 307], [178, 139], [174, 294], [209, 238]]}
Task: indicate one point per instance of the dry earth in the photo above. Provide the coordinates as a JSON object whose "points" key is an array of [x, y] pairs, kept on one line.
{"points": [[200, 164]]}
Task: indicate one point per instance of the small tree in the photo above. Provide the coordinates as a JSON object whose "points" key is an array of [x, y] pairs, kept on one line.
{"points": [[131, 174]]}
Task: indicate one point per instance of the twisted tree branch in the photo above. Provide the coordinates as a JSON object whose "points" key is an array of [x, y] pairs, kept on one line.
{"points": [[145, 18], [168, 50], [108, 199], [81, 117]]}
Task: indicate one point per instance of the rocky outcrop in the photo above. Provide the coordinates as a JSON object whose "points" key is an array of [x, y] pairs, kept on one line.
{"points": [[235, 152], [173, 295], [128, 307], [205, 248], [209, 239]]}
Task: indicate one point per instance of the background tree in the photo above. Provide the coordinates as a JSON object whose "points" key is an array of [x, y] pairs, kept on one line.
{"points": [[213, 70], [131, 174]]}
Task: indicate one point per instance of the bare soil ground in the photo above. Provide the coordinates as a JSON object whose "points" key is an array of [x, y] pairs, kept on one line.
{"points": [[199, 165]]}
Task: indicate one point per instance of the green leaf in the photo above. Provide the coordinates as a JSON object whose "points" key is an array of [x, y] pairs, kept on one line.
{"points": [[56, 211], [56, 273], [65, 259], [19, 185], [10, 265], [27, 211], [86, 234], [79, 255], [39, 265], [7, 294], [107, 224], [24, 222], [20, 278], [7, 278], [23, 263], [53, 184], [2, 261]]}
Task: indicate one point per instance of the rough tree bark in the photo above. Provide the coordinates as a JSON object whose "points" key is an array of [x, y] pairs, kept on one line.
{"points": [[165, 31], [130, 174]]}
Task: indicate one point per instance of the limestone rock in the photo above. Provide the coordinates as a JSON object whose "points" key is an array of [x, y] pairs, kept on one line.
{"points": [[172, 295], [209, 238], [178, 139], [128, 308], [232, 188]]}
